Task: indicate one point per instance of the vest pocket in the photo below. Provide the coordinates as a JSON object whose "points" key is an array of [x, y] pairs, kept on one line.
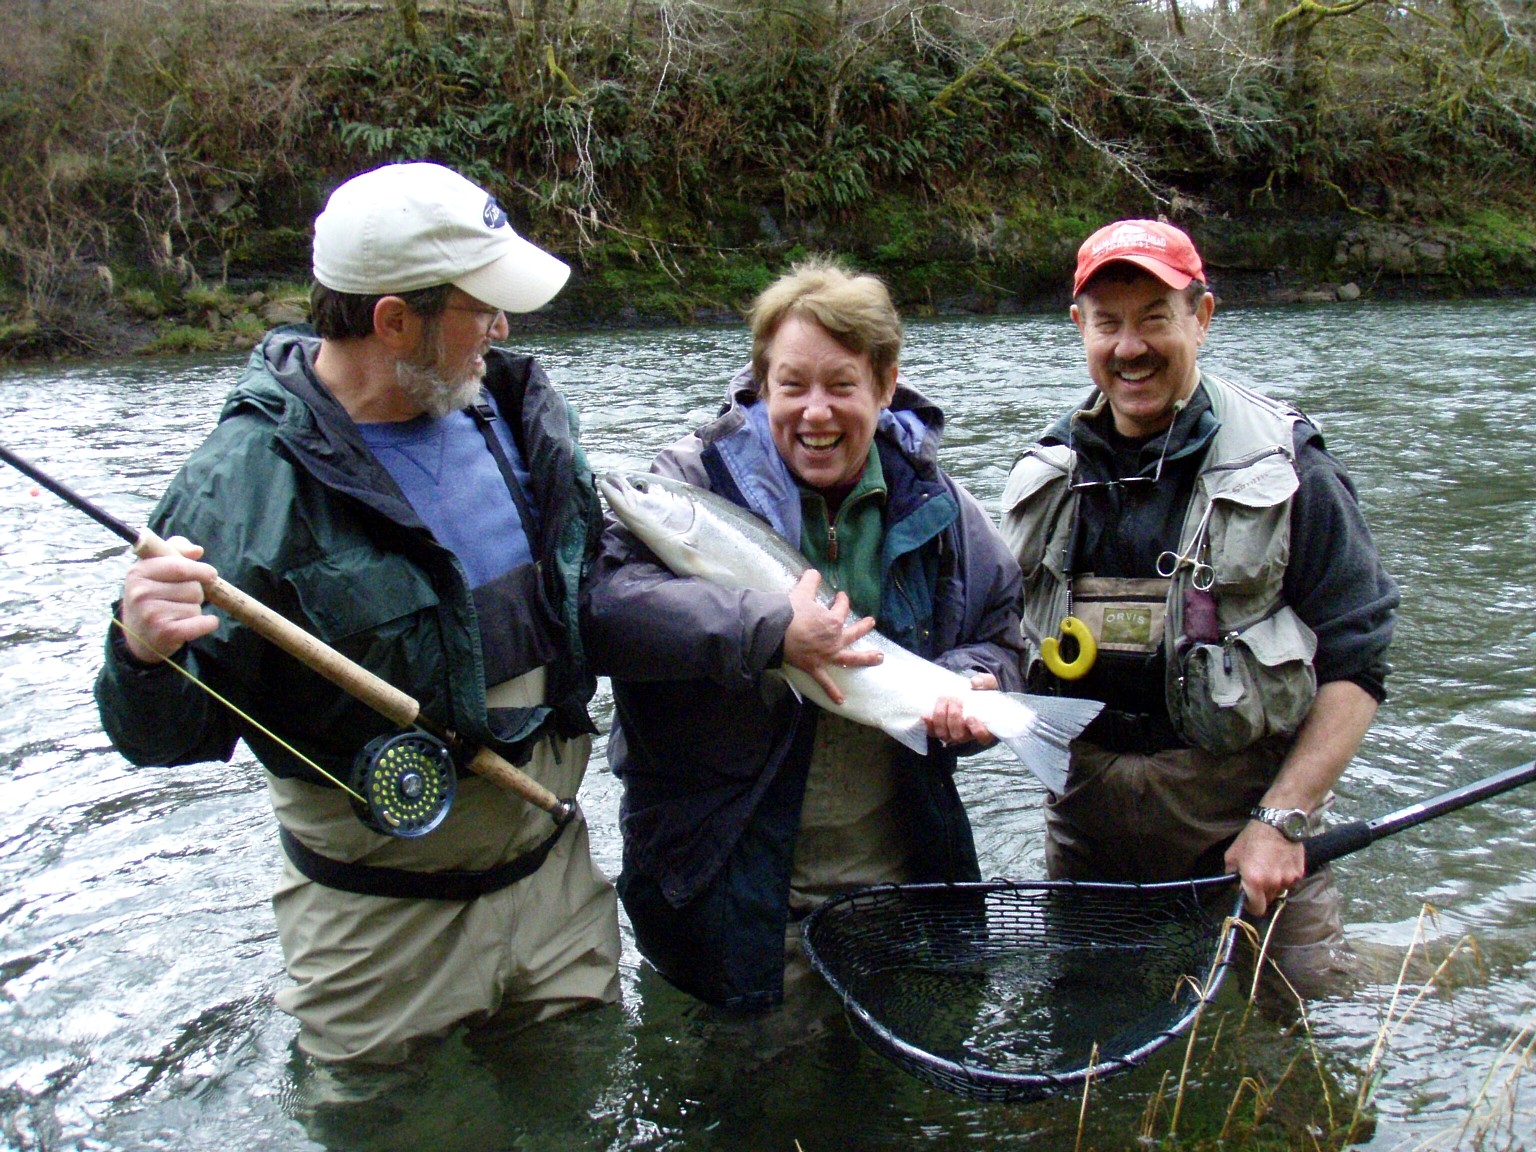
{"points": [[1249, 547], [1259, 682]]}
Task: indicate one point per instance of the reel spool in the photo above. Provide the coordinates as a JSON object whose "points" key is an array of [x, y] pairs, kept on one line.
{"points": [[408, 780]]}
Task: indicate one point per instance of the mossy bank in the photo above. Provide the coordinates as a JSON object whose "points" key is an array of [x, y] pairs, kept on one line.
{"points": [[163, 161]]}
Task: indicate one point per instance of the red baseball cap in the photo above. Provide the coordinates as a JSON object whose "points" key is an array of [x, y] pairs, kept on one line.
{"points": [[1159, 248]]}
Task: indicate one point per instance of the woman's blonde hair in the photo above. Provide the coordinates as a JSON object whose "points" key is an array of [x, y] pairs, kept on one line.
{"points": [[854, 307]]}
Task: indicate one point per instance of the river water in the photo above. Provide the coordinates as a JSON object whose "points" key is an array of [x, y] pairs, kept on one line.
{"points": [[138, 958]]}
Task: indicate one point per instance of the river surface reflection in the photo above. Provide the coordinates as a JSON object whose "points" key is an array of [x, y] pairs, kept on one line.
{"points": [[137, 953]]}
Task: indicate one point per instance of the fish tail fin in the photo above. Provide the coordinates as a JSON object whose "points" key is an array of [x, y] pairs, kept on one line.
{"points": [[1042, 744]]}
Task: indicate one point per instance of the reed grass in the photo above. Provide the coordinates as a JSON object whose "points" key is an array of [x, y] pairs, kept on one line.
{"points": [[1335, 1118]]}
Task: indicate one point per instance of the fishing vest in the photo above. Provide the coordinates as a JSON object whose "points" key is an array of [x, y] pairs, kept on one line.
{"points": [[1238, 659]]}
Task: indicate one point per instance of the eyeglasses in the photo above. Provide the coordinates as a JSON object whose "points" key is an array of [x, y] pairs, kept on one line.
{"points": [[1124, 481], [488, 316]]}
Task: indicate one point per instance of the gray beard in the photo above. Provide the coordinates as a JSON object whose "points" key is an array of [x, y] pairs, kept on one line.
{"points": [[426, 387]]}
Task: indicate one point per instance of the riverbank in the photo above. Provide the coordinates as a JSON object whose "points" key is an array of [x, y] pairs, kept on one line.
{"points": [[1247, 265], [160, 164]]}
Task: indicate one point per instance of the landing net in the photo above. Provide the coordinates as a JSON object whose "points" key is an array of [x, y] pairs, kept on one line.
{"points": [[1012, 991]]}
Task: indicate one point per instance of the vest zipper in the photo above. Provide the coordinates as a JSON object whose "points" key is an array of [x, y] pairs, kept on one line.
{"points": [[832, 543], [1250, 460]]}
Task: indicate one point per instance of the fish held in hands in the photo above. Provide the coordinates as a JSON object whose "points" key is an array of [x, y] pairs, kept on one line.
{"points": [[695, 532]]}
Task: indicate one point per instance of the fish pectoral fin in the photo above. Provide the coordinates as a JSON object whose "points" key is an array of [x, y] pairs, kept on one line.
{"points": [[793, 687], [914, 737]]}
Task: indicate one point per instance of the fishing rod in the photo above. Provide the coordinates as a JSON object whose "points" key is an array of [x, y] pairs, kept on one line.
{"points": [[406, 780]]}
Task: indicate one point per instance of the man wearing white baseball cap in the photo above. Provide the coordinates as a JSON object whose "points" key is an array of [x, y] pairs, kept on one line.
{"points": [[1195, 558], [416, 498]]}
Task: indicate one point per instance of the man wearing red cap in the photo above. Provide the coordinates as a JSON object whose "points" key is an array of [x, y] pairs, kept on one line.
{"points": [[416, 498], [1194, 558]]}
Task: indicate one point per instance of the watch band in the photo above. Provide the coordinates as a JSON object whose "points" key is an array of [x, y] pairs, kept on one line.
{"points": [[1289, 822]]}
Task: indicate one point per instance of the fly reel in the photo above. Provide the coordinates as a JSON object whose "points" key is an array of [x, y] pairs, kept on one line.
{"points": [[407, 781]]}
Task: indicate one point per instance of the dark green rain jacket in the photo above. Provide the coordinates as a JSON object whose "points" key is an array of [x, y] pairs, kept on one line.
{"points": [[293, 509]]}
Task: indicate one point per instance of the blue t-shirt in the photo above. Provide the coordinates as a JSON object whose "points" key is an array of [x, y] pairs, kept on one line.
{"points": [[451, 479]]}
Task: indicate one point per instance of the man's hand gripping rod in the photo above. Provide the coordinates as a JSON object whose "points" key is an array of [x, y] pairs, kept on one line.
{"points": [[351, 677]]}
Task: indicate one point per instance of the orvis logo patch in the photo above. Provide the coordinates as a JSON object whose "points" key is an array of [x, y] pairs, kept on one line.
{"points": [[1127, 626], [494, 215]]}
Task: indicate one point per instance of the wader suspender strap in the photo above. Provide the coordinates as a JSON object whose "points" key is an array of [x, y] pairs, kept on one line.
{"points": [[485, 417], [402, 884]]}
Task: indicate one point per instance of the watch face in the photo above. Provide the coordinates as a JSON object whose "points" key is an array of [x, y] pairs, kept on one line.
{"points": [[1289, 822]]}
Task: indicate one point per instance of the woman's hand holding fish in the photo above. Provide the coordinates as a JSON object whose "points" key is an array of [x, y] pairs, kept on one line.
{"points": [[819, 635], [950, 725]]}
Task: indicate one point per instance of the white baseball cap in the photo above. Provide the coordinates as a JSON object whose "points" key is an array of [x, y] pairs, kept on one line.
{"points": [[408, 226]]}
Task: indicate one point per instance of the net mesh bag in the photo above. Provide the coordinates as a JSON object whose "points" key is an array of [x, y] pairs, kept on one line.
{"points": [[1012, 991]]}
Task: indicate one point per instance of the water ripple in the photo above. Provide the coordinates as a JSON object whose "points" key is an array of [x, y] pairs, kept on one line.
{"points": [[139, 959]]}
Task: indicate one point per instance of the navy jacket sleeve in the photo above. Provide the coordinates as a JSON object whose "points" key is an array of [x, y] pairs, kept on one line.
{"points": [[1335, 580]]}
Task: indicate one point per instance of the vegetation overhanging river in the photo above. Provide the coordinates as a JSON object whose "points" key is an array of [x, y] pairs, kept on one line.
{"points": [[138, 957]]}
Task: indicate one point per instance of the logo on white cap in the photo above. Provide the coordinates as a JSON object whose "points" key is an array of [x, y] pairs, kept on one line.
{"points": [[404, 227]]}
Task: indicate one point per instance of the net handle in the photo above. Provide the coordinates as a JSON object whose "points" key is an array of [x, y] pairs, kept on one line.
{"points": [[1352, 837]]}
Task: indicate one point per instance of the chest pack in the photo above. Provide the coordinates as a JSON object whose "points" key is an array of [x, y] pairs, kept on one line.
{"points": [[1237, 658]]}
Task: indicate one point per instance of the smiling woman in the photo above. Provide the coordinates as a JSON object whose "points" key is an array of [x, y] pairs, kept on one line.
{"points": [[822, 442], [823, 404]]}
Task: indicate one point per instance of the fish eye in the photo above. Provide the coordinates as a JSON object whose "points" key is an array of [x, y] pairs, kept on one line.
{"points": [[642, 486]]}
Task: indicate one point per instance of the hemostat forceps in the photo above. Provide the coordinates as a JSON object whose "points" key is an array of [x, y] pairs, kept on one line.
{"points": [[1201, 575]]}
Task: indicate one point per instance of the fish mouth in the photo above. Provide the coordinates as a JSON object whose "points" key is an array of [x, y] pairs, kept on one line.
{"points": [[635, 498], [610, 484]]}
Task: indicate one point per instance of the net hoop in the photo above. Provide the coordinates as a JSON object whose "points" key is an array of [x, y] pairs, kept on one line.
{"points": [[956, 935]]}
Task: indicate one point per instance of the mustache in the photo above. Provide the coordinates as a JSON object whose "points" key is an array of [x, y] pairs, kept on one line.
{"points": [[1147, 362]]}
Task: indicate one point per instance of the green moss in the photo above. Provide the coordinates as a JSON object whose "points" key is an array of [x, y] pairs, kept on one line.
{"points": [[1494, 246], [184, 338], [142, 302], [244, 331]]}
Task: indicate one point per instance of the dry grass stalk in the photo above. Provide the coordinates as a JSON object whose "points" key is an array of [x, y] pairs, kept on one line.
{"points": [[1151, 1112], [1260, 1104], [1082, 1112], [1392, 1022], [1205, 992], [1496, 1107]]}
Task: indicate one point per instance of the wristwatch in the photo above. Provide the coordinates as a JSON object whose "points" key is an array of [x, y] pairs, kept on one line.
{"points": [[1289, 822]]}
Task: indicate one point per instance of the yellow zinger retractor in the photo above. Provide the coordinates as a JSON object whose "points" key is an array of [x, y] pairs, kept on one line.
{"points": [[1087, 651]]}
